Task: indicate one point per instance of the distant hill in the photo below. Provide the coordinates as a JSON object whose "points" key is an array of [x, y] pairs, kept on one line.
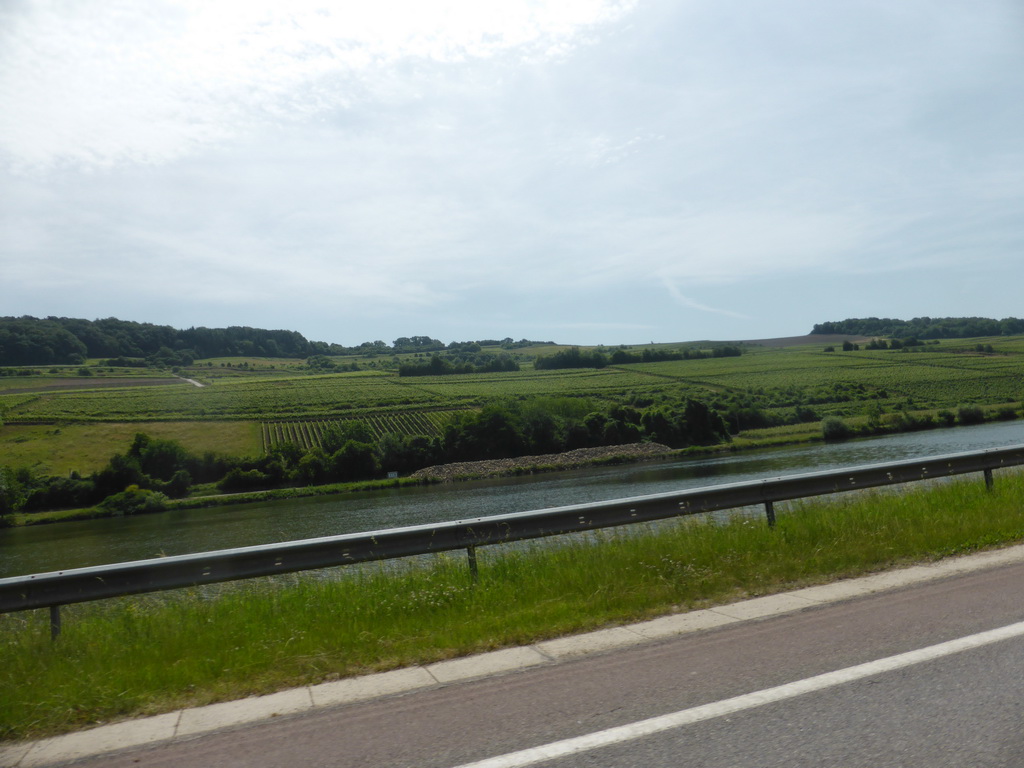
{"points": [[923, 327]]}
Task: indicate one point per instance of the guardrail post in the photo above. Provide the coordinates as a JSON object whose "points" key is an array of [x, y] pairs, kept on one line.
{"points": [[769, 510], [54, 622], [989, 482], [473, 570]]}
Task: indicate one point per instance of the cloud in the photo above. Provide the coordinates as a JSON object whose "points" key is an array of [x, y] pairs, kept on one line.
{"points": [[615, 165], [110, 81], [685, 301]]}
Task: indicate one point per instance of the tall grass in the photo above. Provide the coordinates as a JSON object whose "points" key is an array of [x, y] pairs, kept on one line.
{"points": [[146, 655]]}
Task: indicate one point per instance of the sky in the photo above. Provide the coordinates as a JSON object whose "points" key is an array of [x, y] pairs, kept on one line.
{"points": [[579, 171]]}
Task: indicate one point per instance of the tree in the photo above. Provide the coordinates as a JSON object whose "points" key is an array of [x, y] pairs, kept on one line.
{"points": [[12, 492], [354, 461], [120, 472], [159, 459], [313, 468], [338, 434]]}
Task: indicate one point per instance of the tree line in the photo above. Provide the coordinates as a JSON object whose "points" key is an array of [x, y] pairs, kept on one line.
{"points": [[574, 357], [70, 341], [470, 360], [923, 327], [64, 340]]}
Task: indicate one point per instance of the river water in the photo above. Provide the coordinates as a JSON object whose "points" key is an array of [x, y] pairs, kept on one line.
{"points": [[37, 549]]}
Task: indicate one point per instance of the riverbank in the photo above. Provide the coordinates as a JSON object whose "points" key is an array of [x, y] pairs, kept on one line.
{"points": [[748, 441], [474, 470], [134, 656], [551, 462]]}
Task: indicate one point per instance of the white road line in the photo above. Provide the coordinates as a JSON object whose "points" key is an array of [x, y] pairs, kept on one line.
{"points": [[661, 723]]}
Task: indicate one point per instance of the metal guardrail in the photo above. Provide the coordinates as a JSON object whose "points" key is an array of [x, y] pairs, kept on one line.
{"points": [[59, 588]]}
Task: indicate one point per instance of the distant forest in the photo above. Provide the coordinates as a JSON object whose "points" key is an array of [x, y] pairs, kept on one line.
{"points": [[924, 327], [70, 341]]}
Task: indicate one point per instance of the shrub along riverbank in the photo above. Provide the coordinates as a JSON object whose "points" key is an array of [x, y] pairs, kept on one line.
{"points": [[151, 654]]}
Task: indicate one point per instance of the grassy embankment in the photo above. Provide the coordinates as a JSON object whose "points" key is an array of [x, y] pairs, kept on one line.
{"points": [[152, 654]]}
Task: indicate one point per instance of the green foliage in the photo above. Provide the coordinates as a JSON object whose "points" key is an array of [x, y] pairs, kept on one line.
{"points": [[153, 465], [31, 341], [416, 344], [160, 459], [12, 491], [133, 501], [571, 358], [924, 327], [335, 436], [834, 428], [461, 361], [239, 480], [970, 414], [648, 355], [324, 364], [354, 461]]}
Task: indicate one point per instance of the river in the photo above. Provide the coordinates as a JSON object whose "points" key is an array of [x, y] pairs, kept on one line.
{"points": [[37, 549]]}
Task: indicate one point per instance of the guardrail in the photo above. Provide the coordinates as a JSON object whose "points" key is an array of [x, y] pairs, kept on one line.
{"points": [[59, 588]]}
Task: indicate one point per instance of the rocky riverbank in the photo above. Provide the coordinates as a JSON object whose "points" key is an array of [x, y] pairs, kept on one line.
{"points": [[525, 465]]}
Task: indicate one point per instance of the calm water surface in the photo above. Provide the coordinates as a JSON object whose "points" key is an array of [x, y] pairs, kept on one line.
{"points": [[72, 545]]}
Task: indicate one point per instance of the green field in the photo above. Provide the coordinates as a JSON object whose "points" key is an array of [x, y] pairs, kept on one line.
{"points": [[64, 421], [307, 434], [85, 448]]}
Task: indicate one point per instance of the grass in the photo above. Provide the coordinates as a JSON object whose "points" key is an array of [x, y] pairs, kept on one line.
{"points": [[151, 654], [60, 448]]}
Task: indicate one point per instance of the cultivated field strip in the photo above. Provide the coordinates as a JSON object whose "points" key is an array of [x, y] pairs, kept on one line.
{"points": [[577, 383], [939, 377], [944, 380], [15, 401], [308, 434], [308, 396]]}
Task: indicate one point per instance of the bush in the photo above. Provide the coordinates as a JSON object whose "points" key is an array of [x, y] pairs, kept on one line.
{"points": [[133, 501], [239, 480], [1007, 413], [970, 414], [834, 428]]}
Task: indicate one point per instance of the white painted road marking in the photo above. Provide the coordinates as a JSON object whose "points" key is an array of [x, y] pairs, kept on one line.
{"points": [[661, 723]]}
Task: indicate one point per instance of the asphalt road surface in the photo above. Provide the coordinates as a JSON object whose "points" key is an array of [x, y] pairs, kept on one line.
{"points": [[964, 708]]}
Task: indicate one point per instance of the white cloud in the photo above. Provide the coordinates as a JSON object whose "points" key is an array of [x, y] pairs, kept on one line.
{"points": [[689, 303], [597, 166], [109, 81]]}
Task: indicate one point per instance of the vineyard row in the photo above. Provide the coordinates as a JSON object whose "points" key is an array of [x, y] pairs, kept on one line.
{"points": [[309, 434]]}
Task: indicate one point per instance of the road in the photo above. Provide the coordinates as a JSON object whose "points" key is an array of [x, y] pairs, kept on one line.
{"points": [[963, 709]]}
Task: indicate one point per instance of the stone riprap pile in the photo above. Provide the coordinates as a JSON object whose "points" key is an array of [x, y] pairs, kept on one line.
{"points": [[522, 465]]}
